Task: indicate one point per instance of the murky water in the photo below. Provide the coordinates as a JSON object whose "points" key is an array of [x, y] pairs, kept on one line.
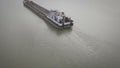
{"points": [[26, 41]]}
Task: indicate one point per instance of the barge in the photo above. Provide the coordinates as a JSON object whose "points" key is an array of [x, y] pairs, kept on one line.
{"points": [[55, 18]]}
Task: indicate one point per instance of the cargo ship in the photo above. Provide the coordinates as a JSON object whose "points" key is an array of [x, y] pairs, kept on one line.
{"points": [[54, 17]]}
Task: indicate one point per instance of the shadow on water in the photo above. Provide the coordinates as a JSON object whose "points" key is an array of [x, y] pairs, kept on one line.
{"points": [[56, 30]]}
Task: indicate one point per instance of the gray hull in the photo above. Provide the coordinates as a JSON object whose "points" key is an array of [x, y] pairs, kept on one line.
{"points": [[43, 13]]}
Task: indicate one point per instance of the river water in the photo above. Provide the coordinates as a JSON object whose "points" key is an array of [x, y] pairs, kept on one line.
{"points": [[27, 41]]}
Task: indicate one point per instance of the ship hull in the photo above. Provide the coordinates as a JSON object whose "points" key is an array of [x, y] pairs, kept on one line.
{"points": [[43, 13]]}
